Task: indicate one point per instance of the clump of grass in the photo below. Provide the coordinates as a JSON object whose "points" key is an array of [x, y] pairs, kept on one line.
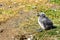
{"points": [[1, 11], [55, 1]]}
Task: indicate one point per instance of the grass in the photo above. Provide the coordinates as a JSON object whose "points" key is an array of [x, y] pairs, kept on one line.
{"points": [[29, 22], [54, 16], [55, 1]]}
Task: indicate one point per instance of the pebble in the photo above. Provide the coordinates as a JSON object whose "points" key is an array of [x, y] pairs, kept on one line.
{"points": [[57, 31]]}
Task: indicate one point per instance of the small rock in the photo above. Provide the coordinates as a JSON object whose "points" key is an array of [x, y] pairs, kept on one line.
{"points": [[1, 30], [36, 0], [26, 37], [10, 7], [57, 31], [17, 37], [0, 5], [54, 9], [34, 7], [30, 37]]}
